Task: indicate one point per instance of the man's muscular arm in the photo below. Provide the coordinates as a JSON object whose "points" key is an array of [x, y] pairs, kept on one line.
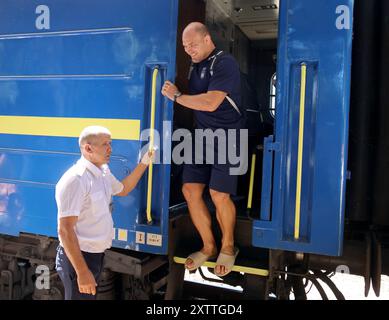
{"points": [[209, 101]]}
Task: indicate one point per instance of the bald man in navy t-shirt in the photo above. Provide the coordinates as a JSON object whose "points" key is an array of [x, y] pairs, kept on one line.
{"points": [[214, 95]]}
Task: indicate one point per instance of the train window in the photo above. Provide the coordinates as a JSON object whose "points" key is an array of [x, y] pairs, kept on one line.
{"points": [[272, 101]]}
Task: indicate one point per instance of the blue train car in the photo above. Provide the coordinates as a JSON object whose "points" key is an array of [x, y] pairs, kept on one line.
{"points": [[63, 74], [68, 64]]}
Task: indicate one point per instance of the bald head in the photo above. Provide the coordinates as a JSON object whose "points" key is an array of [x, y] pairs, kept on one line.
{"points": [[196, 27], [197, 41]]}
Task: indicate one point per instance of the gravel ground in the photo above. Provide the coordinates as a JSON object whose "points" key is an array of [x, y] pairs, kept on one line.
{"points": [[352, 287]]}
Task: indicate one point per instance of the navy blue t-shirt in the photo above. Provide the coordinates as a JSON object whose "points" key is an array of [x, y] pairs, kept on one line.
{"points": [[226, 78]]}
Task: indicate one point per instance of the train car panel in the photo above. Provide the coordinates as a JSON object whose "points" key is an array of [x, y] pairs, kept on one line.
{"points": [[311, 133], [64, 69]]}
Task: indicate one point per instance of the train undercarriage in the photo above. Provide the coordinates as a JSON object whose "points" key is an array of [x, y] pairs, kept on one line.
{"points": [[27, 268]]}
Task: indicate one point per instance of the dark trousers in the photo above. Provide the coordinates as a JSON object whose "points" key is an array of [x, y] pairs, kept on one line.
{"points": [[68, 275]]}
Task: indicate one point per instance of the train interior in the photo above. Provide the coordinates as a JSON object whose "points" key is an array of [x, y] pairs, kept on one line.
{"points": [[248, 30]]}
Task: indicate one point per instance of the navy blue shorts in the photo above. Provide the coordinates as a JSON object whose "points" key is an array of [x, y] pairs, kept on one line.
{"points": [[68, 275], [216, 175]]}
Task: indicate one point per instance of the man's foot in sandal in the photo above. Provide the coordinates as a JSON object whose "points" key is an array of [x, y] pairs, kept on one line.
{"points": [[225, 262], [198, 258]]}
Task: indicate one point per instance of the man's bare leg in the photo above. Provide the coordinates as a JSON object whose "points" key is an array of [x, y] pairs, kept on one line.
{"points": [[226, 216], [193, 193]]}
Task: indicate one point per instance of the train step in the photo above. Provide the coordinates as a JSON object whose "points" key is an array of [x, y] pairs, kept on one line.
{"points": [[238, 267]]}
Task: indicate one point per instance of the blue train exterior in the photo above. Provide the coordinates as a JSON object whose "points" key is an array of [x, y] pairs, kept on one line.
{"points": [[68, 64], [78, 70]]}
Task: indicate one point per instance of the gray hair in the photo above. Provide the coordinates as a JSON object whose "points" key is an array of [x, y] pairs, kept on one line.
{"points": [[92, 132]]}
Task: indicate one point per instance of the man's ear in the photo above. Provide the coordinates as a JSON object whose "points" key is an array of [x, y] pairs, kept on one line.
{"points": [[88, 148]]}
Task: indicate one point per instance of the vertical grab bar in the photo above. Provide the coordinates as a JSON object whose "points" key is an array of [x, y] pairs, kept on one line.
{"points": [[251, 185], [300, 151], [151, 145]]}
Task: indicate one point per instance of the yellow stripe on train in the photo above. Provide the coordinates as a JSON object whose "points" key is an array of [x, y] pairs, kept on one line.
{"points": [[122, 129]]}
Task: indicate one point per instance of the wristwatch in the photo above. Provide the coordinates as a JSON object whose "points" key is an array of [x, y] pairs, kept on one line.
{"points": [[176, 95]]}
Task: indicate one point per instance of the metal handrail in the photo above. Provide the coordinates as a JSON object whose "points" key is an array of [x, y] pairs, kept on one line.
{"points": [[300, 151], [151, 145]]}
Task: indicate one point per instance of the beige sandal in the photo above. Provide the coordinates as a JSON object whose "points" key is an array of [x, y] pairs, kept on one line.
{"points": [[227, 261], [198, 259]]}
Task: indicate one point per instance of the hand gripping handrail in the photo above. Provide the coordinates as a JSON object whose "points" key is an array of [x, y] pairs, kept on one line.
{"points": [[151, 145]]}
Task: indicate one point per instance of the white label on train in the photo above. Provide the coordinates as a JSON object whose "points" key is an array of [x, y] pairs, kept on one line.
{"points": [[140, 237], [154, 239]]}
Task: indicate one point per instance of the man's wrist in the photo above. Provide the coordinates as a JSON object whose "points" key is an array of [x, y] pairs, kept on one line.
{"points": [[143, 165], [82, 268], [176, 95]]}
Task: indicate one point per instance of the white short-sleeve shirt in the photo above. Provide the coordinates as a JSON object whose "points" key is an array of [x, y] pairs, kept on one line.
{"points": [[86, 191]]}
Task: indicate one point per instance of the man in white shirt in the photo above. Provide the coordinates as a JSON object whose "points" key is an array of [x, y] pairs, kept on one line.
{"points": [[85, 226]]}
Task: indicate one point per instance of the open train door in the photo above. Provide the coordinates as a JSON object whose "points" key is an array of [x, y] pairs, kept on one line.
{"points": [[67, 64], [305, 162]]}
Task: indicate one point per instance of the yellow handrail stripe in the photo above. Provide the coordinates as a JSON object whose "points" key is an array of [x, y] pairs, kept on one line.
{"points": [[251, 186], [300, 151], [123, 129], [237, 268], [151, 145]]}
